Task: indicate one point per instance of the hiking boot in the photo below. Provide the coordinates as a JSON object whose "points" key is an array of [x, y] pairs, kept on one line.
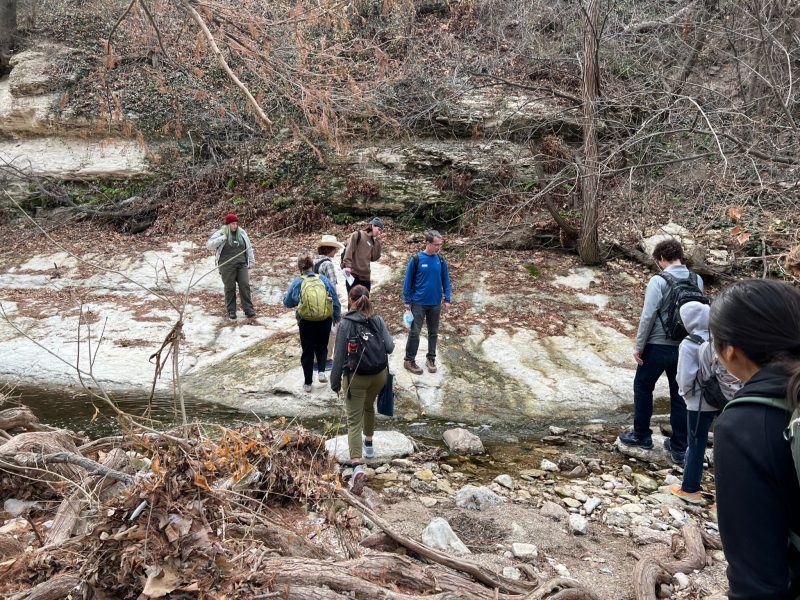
{"points": [[368, 449], [431, 364], [322, 377], [632, 439], [306, 387], [251, 315], [691, 497], [679, 458], [358, 480], [411, 365], [232, 316]]}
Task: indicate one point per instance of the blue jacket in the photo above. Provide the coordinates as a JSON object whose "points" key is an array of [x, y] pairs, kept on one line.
{"points": [[425, 286], [292, 297]]}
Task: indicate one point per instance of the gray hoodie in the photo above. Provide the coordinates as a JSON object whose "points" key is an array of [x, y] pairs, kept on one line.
{"points": [[650, 330], [690, 354]]}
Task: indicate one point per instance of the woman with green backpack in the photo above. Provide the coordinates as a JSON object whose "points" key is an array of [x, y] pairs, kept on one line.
{"points": [[318, 308], [755, 328]]}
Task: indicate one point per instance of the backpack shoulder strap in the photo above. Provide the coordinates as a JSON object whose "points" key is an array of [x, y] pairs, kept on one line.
{"points": [[668, 277], [762, 400], [695, 338]]}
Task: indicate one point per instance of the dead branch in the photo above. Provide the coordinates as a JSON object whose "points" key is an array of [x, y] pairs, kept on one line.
{"points": [[486, 578], [645, 26], [265, 121], [650, 572], [33, 460], [54, 589], [562, 588]]}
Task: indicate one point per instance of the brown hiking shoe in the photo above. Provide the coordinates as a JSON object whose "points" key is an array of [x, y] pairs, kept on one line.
{"points": [[431, 364], [411, 365]]}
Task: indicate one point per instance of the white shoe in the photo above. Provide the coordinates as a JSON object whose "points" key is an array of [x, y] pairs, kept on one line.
{"points": [[306, 387], [323, 378], [368, 451]]}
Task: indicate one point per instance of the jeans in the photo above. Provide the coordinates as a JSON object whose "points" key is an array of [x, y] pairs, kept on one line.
{"points": [[234, 274], [357, 281], [699, 421], [429, 314], [658, 359], [314, 342]]}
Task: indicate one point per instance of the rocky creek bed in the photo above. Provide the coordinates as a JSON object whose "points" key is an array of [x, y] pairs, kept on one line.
{"points": [[260, 511]]}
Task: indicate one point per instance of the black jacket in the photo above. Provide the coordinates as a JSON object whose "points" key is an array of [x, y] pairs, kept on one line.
{"points": [[758, 495]]}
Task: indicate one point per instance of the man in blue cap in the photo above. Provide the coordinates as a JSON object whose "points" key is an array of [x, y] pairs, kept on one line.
{"points": [[363, 247]]}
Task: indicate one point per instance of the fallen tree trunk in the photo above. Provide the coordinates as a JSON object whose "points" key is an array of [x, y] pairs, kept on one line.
{"points": [[485, 577], [56, 588], [20, 417]]}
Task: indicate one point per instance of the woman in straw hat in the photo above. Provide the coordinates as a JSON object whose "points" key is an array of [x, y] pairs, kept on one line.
{"points": [[327, 248]]}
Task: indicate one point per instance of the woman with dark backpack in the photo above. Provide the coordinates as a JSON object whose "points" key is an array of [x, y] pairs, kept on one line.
{"points": [[755, 328], [363, 344]]}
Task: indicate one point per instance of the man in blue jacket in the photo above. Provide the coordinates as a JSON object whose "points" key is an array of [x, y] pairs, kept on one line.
{"points": [[427, 282]]}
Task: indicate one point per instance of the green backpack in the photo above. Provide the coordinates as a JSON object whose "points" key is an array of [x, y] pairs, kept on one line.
{"points": [[791, 434], [315, 302]]}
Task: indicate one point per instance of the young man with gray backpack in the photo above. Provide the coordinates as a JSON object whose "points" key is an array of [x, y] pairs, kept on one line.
{"points": [[318, 308], [706, 386]]}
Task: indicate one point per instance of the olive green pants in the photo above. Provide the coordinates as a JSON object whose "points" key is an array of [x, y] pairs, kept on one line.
{"points": [[234, 274], [360, 394]]}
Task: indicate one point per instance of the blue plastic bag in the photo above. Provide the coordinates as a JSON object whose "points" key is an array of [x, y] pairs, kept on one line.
{"points": [[386, 397]]}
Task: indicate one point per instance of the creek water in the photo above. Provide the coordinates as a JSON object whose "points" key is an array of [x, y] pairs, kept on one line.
{"points": [[74, 408]]}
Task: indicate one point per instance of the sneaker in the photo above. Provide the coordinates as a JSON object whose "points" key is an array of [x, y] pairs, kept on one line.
{"points": [[368, 449], [322, 377], [251, 315], [411, 365], [232, 316], [306, 387], [632, 439], [329, 364], [691, 497], [679, 458], [358, 480], [431, 364]]}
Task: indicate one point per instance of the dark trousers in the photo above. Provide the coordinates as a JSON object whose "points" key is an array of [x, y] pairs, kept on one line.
{"points": [[357, 281], [699, 423], [314, 342], [234, 274], [658, 359], [429, 314]]}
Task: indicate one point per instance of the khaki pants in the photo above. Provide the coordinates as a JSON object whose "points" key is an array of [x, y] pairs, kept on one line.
{"points": [[237, 274], [360, 394]]}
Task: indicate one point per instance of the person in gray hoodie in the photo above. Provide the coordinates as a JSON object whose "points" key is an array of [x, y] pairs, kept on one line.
{"points": [[696, 363], [655, 354], [360, 390]]}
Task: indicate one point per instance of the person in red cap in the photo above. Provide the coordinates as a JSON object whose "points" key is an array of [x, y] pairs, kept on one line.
{"points": [[234, 256]]}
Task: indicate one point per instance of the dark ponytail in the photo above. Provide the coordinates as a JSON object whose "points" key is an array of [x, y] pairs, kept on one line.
{"points": [[359, 300], [761, 317]]}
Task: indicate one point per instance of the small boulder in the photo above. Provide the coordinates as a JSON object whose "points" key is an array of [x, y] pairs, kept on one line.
{"points": [[557, 430], [461, 441], [388, 445], [478, 498], [554, 511], [505, 480], [644, 484], [548, 465], [578, 524], [438, 534], [512, 573], [591, 504], [524, 551]]}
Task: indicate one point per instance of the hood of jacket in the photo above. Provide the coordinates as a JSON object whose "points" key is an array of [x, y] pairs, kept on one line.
{"points": [[355, 316], [695, 318]]}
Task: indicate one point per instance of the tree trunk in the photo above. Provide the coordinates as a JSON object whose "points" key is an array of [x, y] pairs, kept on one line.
{"points": [[8, 31], [588, 244]]}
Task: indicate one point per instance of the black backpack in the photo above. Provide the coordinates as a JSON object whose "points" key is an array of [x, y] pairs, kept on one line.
{"points": [[318, 264], [366, 351], [681, 291], [710, 390]]}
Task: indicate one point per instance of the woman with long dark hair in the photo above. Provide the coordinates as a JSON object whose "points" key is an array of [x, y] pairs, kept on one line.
{"points": [[360, 355], [755, 328]]}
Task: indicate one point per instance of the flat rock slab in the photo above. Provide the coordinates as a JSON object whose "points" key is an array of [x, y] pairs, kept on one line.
{"points": [[657, 455], [387, 444]]}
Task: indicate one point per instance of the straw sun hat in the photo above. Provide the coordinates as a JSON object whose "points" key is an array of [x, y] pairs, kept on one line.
{"points": [[330, 241]]}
